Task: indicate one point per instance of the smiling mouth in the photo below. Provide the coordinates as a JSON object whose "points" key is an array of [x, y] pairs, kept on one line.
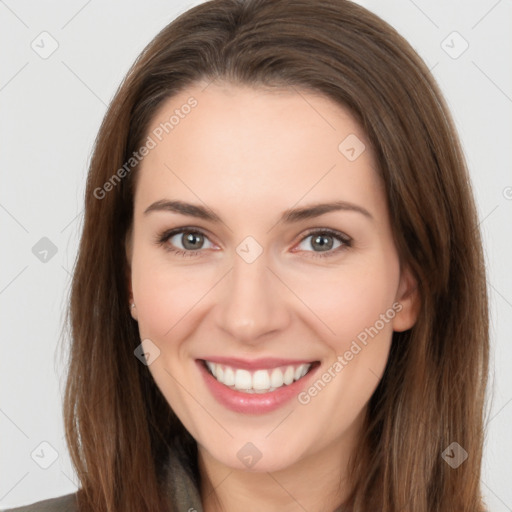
{"points": [[260, 380]]}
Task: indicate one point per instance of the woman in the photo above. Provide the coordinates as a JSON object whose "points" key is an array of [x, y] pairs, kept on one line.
{"points": [[279, 301]]}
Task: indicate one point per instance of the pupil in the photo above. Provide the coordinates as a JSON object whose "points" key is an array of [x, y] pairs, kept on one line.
{"points": [[192, 238], [321, 241]]}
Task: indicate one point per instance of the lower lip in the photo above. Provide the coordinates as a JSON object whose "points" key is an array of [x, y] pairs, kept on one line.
{"points": [[253, 403]]}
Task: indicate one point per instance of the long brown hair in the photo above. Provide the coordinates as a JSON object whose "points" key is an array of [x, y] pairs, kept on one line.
{"points": [[119, 426]]}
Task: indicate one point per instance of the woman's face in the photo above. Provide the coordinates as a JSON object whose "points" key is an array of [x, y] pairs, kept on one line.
{"points": [[237, 272]]}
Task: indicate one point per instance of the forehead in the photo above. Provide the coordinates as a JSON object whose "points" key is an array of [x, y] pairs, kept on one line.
{"points": [[242, 146]]}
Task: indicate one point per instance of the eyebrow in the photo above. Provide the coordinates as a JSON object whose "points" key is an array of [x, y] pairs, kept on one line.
{"points": [[288, 217]]}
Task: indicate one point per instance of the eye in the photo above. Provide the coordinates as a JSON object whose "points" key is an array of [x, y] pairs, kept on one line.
{"points": [[183, 241], [325, 241], [190, 242]]}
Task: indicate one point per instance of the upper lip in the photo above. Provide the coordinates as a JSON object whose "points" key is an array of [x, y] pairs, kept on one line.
{"points": [[263, 363]]}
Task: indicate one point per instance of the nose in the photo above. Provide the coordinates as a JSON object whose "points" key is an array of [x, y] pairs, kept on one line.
{"points": [[253, 302]]}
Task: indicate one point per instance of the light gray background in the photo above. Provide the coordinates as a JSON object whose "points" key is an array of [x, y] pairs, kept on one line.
{"points": [[51, 110]]}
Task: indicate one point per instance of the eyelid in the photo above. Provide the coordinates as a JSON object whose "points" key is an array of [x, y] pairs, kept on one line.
{"points": [[329, 231]]}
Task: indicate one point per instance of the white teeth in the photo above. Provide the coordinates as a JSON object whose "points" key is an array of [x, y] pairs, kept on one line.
{"points": [[220, 372], [229, 376], [261, 381], [276, 379], [288, 375], [243, 379]]}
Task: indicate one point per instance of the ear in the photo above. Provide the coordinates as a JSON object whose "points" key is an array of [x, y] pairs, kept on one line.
{"points": [[408, 299], [128, 273]]}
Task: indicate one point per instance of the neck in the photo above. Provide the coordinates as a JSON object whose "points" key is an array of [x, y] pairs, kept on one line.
{"points": [[316, 483]]}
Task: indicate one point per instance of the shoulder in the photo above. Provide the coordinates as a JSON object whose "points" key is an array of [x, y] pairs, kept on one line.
{"points": [[65, 503]]}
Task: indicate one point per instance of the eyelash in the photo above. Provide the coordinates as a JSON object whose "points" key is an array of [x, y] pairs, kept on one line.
{"points": [[341, 237]]}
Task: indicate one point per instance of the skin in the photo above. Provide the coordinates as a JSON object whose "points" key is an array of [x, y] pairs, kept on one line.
{"points": [[250, 154]]}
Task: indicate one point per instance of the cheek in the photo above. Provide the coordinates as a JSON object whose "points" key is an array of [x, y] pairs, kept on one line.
{"points": [[350, 301], [165, 300], [164, 293], [359, 308]]}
